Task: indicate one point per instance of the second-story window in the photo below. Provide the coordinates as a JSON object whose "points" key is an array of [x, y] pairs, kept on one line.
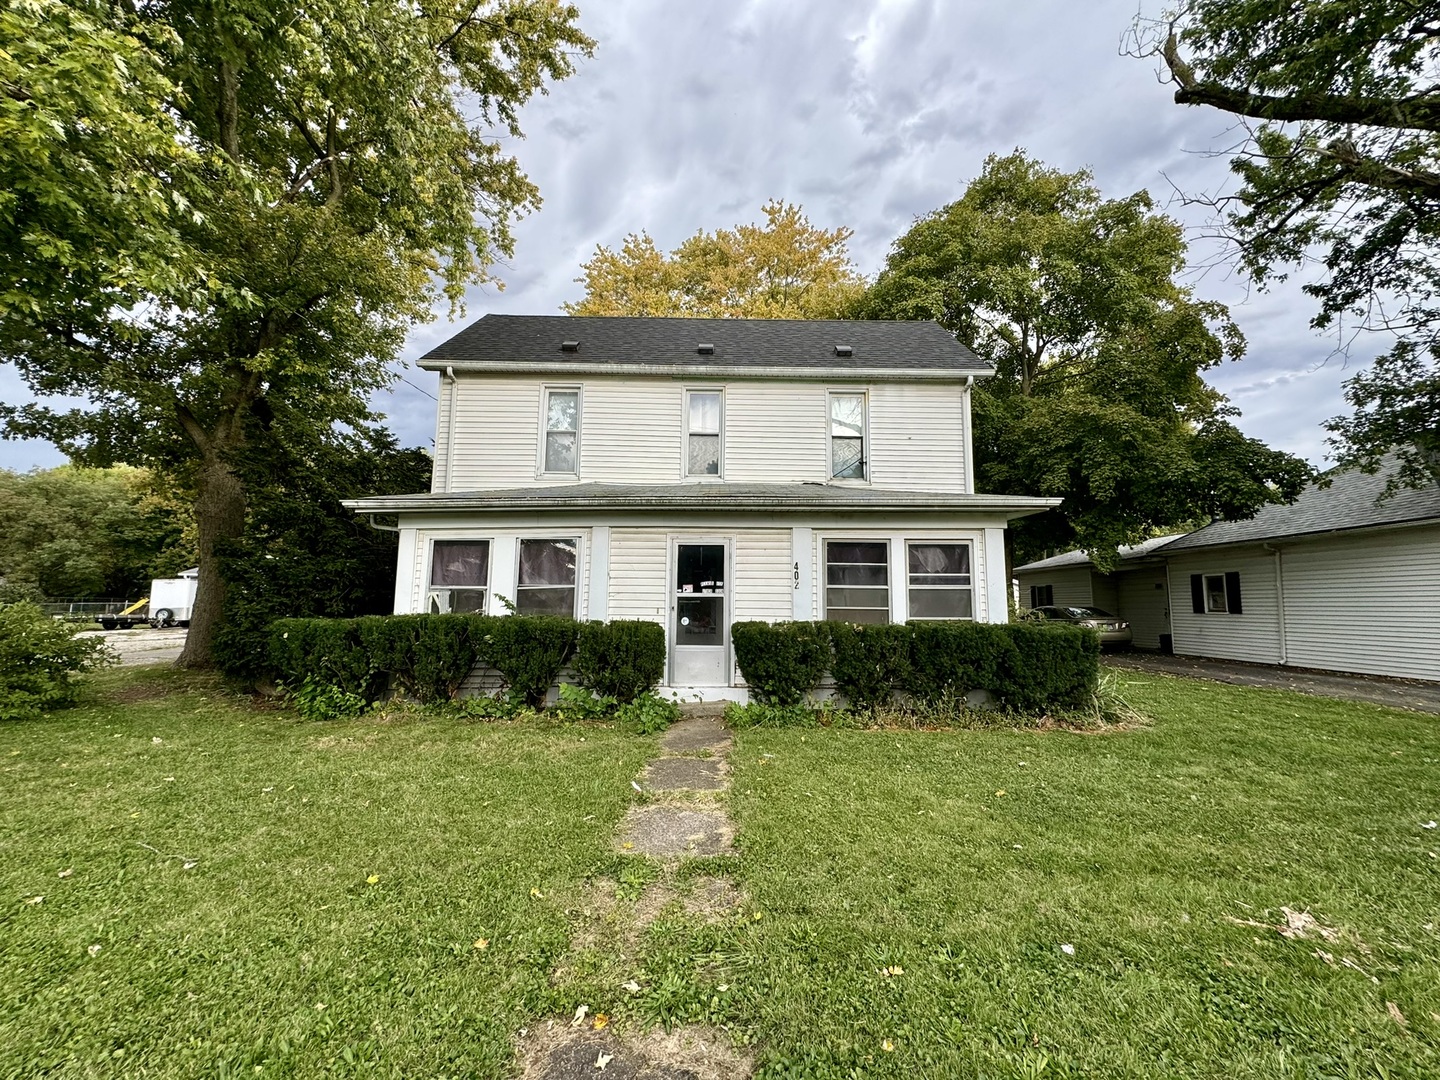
{"points": [[561, 453], [847, 436], [704, 412]]}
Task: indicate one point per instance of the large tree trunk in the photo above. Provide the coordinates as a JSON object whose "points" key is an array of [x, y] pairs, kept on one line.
{"points": [[219, 516]]}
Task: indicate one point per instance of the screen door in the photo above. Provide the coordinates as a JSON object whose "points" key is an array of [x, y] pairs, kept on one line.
{"points": [[699, 622]]}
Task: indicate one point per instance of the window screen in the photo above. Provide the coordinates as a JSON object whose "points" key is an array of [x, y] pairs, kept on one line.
{"points": [[546, 585], [857, 581], [939, 581], [562, 431], [459, 575], [847, 436]]}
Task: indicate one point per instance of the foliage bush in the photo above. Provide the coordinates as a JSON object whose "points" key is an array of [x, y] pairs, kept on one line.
{"points": [[528, 651], [1026, 666], [39, 659], [782, 662], [870, 663], [622, 659], [647, 714], [315, 699]]}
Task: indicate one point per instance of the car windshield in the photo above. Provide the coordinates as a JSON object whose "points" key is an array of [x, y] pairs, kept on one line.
{"points": [[1088, 613]]}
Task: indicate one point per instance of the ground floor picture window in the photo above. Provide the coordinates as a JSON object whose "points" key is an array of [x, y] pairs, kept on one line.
{"points": [[546, 585], [857, 581], [940, 585], [459, 576]]}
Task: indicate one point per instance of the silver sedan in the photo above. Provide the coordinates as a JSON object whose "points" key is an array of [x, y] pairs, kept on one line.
{"points": [[1113, 630]]}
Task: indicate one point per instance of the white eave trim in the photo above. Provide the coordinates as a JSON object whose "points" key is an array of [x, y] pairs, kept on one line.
{"points": [[700, 370], [1012, 506]]}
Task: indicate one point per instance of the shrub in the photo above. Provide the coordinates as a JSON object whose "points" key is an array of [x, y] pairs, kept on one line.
{"points": [[326, 650], [1050, 667], [647, 714], [315, 699], [782, 662], [578, 703], [621, 659], [871, 663], [442, 651], [947, 659], [527, 650], [39, 659]]}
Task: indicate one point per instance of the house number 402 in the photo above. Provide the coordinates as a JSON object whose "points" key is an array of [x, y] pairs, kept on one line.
{"points": [[796, 575]]}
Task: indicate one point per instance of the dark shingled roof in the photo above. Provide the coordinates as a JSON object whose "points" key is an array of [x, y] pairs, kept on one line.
{"points": [[717, 496], [1352, 501], [1079, 557], [739, 343]]}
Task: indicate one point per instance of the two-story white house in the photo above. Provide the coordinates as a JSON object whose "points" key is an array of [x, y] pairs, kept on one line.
{"points": [[700, 472]]}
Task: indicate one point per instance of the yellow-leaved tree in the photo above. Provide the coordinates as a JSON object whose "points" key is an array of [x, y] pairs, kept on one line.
{"points": [[785, 269]]}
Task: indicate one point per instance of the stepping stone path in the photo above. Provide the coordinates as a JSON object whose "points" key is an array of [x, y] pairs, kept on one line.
{"points": [[686, 819]]}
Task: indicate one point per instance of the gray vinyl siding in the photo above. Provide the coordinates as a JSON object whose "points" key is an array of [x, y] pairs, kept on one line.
{"points": [[1144, 602], [1253, 635], [1104, 593], [1366, 603], [1072, 586]]}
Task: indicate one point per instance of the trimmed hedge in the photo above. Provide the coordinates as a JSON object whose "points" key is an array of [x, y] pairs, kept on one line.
{"points": [[782, 662], [621, 659], [1028, 666], [428, 657]]}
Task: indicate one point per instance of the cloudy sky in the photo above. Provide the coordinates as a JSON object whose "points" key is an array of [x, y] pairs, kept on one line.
{"points": [[868, 113]]}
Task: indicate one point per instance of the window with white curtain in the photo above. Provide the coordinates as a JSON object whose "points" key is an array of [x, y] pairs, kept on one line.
{"points": [[561, 453], [546, 583], [847, 436], [939, 583], [459, 576], [704, 413]]}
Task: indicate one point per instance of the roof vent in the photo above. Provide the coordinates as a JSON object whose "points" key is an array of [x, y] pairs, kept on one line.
{"points": [[570, 346], [705, 348], [844, 350]]}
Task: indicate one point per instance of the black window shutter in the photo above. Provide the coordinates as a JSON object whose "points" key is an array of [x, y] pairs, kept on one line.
{"points": [[1232, 592], [1197, 593]]}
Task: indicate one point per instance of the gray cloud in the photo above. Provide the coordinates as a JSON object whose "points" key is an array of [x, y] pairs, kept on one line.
{"points": [[869, 113]]}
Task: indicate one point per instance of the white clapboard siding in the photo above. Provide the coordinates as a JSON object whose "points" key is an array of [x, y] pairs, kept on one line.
{"points": [[1253, 635], [1104, 592], [1365, 603], [1071, 586], [764, 576], [631, 431], [639, 573], [917, 437], [775, 432], [497, 424], [1144, 603]]}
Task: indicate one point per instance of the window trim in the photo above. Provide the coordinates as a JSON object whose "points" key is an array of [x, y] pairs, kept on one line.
{"points": [[1036, 593], [1205, 580], [428, 578], [576, 539], [863, 393], [1230, 589], [546, 389], [889, 543], [911, 587], [685, 473]]}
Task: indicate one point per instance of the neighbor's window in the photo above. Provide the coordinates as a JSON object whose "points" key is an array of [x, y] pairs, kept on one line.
{"points": [[704, 412], [857, 581], [1042, 595], [1215, 592], [939, 580], [847, 436], [459, 575], [546, 585], [562, 431]]}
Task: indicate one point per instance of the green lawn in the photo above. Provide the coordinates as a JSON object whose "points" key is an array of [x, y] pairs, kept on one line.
{"points": [[860, 851]]}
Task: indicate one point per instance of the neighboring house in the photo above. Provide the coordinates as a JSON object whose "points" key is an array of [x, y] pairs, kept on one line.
{"points": [[698, 472], [1136, 590], [1343, 579]]}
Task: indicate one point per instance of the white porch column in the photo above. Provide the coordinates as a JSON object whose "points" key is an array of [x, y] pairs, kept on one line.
{"points": [[504, 569], [405, 572], [599, 569], [997, 581], [802, 553]]}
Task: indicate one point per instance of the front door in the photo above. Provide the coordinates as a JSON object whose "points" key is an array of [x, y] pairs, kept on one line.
{"points": [[699, 620]]}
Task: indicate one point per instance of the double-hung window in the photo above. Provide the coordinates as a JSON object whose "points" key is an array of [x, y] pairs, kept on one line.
{"points": [[1042, 595], [704, 415], [546, 583], [847, 436], [459, 576], [857, 581], [1216, 594], [561, 451], [940, 585]]}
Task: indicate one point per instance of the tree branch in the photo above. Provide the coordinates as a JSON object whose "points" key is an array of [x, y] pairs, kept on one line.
{"points": [[1372, 173], [193, 428]]}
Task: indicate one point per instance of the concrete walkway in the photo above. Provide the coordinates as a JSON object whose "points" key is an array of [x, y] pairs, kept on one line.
{"points": [[1375, 689]]}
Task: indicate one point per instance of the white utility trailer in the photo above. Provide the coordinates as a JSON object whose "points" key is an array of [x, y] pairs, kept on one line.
{"points": [[172, 598]]}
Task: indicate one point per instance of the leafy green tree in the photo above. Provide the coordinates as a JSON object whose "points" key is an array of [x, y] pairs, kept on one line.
{"points": [[1098, 351], [350, 166], [1341, 164], [787, 269], [91, 532]]}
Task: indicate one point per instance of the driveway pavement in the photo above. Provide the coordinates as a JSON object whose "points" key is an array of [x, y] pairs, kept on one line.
{"points": [[1400, 693], [143, 645]]}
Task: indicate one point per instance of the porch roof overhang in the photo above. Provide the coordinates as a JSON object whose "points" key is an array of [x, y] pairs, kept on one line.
{"points": [[705, 496]]}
